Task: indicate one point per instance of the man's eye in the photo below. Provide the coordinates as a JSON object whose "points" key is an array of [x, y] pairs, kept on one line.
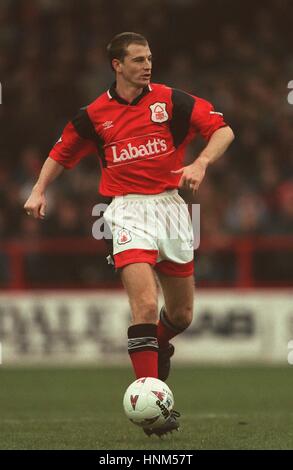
{"points": [[142, 60]]}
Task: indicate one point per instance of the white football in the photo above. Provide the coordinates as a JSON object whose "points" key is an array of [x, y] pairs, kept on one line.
{"points": [[148, 402]]}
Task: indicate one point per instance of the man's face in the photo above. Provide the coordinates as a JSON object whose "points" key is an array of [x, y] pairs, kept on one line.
{"points": [[136, 66]]}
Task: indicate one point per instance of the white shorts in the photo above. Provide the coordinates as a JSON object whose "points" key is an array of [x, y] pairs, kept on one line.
{"points": [[154, 229]]}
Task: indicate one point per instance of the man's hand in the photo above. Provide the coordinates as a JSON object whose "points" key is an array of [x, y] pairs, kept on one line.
{"points": [[36, 205], [192, 175]]}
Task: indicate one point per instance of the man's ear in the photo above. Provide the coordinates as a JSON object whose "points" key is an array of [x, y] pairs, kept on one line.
{"points": [[116, 64]]}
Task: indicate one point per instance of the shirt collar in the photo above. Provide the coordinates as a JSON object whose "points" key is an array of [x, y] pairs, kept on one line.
{"points": [[112, 94]]}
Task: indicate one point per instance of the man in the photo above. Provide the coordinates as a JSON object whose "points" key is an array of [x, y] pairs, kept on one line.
{"points": [[140, 131]]}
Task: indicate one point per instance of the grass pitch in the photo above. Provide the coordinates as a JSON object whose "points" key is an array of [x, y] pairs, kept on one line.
{"points": [[222, 408]]}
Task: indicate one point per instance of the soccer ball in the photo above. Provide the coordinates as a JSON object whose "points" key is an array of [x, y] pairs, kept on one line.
{"points": [[148, 402]]}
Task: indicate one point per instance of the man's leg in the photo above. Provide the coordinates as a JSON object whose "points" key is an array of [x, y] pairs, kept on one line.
{"points": [[140, 284], [175, 317]]}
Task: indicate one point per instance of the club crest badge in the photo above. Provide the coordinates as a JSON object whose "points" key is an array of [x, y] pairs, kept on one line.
{"points": [[159, 112], [124, 236]]}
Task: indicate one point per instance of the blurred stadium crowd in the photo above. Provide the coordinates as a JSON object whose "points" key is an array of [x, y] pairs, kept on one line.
{"points": [[235, 54]]}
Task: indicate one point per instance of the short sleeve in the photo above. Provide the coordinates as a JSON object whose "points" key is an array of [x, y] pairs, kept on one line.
{"points": [[205, 119], [76, 142]]}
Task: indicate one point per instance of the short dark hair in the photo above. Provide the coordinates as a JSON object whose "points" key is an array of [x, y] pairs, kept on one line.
{"points": [[116, 48]]}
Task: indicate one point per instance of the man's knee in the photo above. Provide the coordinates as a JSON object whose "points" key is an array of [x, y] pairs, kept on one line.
{"points": [[145, 312], [182, 317]]}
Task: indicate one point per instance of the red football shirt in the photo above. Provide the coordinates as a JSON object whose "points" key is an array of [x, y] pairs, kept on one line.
{"points": [[138, 143]]}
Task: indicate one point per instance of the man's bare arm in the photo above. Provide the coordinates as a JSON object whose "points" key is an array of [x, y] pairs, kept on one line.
{"points": [[36, 203], [192, 175], [217, 145]]}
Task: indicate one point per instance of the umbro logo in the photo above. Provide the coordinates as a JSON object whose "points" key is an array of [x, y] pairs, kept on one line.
{"points": [[107, 124]]}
